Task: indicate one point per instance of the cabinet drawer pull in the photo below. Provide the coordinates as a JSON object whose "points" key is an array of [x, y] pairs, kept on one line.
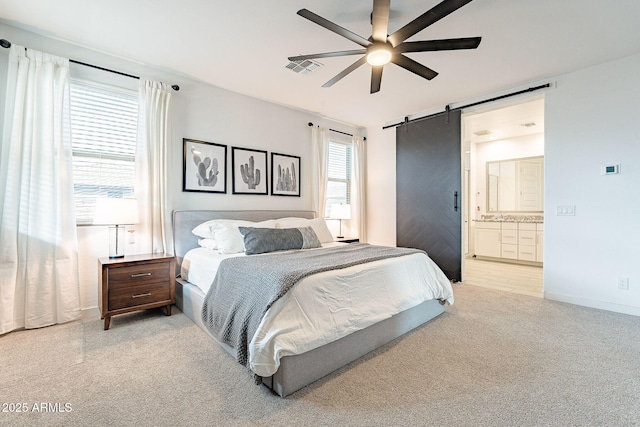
{"points": [[528, 238], [141, 275], [141, 295]]}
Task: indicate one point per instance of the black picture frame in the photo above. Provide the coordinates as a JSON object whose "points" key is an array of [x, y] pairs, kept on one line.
{"points": [[204, 166], [254, 180], [285, 175]]}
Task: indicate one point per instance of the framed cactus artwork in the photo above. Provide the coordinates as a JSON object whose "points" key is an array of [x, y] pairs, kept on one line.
{"points": [[285, 175], [249, 171], [204, 166]]}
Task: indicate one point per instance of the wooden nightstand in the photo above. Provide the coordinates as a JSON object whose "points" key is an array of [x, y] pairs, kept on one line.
{"points": [[136, 282], [348, 240]]}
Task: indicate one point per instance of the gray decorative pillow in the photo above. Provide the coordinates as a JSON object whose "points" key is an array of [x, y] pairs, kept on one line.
{"points": [[263, 240]]}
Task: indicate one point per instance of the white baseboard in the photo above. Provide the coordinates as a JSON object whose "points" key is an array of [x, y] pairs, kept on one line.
{"points": [[90, 313], [586, 302]]}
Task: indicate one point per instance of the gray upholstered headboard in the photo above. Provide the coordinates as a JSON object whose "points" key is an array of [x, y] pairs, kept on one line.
{"points": [[185, 221]]}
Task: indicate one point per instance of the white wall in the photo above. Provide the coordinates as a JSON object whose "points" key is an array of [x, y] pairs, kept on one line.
{"points": [[204, 112], [591, 119], [381, 186]]}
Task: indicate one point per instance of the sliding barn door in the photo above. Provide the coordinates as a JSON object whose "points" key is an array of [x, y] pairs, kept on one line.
{"points": [[428, 209]]}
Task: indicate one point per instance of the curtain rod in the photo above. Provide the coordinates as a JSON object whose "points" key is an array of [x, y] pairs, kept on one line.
{"points": [[447, 109], [7, 44], [338, 131]]}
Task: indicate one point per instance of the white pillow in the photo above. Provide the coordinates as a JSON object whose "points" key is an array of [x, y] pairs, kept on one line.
{"points": [[228, 237], [204, 230], [318, 224], [208, 243]]}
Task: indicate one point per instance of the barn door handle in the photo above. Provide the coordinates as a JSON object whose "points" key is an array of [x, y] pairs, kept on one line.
{"points": [[455, 201]]}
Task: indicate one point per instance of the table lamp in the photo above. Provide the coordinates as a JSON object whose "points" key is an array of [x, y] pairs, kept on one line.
{"points": [[340, 211], [116, 213]]}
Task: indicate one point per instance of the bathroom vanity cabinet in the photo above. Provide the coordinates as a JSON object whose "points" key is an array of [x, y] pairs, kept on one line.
{"points": [[510, 241]]}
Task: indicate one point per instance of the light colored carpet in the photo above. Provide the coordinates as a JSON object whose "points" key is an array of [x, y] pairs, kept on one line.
{"points": [[493, 359]]}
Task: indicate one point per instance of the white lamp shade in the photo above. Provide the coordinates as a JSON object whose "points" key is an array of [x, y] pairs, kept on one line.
{"points": [[340, 211], [116, 211]]}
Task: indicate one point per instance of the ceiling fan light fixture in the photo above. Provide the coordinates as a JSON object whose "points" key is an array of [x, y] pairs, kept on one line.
{"points": [[379, 54], [381, 47]]}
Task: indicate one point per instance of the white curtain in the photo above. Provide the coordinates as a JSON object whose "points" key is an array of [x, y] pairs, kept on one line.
{"points": [[358, 190], [38, 246], [151, 166], [320, 144]]}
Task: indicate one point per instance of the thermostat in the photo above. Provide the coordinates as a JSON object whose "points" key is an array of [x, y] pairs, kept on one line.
{"points": [[610, 169]]}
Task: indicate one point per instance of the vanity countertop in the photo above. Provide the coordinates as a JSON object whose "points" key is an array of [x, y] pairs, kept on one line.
{"points": [[536, 219]]}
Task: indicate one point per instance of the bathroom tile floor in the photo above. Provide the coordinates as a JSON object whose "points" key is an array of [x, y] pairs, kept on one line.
{"points": [[516, 278]]}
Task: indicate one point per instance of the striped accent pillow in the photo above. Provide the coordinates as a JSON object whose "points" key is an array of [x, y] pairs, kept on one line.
{"points": [[264, 240]]}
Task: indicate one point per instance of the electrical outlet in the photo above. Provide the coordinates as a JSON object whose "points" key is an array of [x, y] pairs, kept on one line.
{"points": [[623, 283]]}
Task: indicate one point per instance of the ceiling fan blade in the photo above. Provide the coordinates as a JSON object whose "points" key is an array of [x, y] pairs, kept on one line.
{"points": [[380, 20], [346, 71], [333, 27], [433, 45], [413, 66], [328, 54], [376, 78], [435, 14]]}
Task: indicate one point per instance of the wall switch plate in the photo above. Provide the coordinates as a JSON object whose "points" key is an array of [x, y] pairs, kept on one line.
{"points": [[610, 169], [566, 210], [623, 283]]}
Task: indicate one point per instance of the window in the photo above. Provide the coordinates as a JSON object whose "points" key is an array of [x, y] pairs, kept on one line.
{"points": [[104, 129], [339, 174]]}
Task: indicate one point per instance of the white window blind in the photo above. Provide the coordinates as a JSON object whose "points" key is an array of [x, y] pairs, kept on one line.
{"points": [[104, 129], [339, 174]]}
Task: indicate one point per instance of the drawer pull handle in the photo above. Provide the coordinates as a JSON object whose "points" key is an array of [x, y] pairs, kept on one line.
{"points": [[141, 295], [141, 275]]}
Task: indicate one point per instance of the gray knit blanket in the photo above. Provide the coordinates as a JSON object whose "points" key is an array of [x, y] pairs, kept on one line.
{"points": [[246, 287]]}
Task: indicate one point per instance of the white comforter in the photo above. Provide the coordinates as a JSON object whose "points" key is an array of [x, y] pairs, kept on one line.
{"points": [[330, 305]]}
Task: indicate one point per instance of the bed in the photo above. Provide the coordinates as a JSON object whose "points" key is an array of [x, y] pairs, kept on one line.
{"points": [[310, 361]]}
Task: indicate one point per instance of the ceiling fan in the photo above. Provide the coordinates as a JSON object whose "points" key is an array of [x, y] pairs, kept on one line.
{"points": [[382, 48]]}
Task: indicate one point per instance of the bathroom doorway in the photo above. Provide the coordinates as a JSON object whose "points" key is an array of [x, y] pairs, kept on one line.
{"points": [[503, 179]]}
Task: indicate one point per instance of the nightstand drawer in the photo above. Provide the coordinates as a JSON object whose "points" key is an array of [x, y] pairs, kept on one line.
{"points": [[125, 277], [139, 295]]}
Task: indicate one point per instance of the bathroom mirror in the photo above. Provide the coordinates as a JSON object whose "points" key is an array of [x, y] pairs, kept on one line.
{"points": [[515, 185]]}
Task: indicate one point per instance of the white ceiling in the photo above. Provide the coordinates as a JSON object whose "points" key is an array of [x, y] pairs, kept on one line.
{"points": [[243, 45], [522, 118]]}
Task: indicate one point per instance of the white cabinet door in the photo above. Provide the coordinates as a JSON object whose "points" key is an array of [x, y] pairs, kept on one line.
{"points": [[488, 242], [526, 253], [509, 251]]}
